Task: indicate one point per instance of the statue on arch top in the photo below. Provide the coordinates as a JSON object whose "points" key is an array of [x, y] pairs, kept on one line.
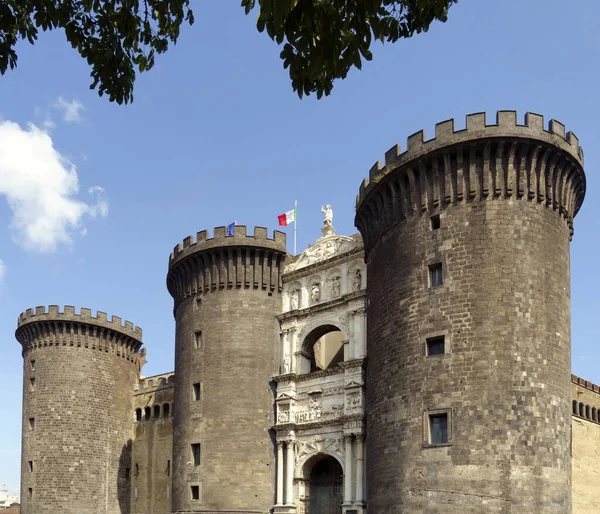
{"points": [[327, 228]]}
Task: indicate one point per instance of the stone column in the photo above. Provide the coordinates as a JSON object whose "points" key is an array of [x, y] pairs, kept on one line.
{"points": [[360, 466], [279, 472], [289, 478], [348, 470]]}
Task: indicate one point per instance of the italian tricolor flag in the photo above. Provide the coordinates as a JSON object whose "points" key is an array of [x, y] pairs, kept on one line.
{"points": [[286, 218]]}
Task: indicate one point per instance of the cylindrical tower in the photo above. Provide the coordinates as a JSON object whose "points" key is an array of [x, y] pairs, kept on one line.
{"points": [[467, 249], [79, 372], [227, 294]]}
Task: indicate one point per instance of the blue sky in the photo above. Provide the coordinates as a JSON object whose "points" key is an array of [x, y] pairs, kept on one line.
{"points": [[96, 195]]}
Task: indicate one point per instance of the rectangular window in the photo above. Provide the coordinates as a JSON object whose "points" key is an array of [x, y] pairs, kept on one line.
{"points": [[30, 464], [29, 493], [32, 384], [32, 365], [196, 454], [198, 339], [195, 490], [196, 391], [168, 468], [435, 222], [436, 346], [436, 275], [31, 423], [438, 428]]}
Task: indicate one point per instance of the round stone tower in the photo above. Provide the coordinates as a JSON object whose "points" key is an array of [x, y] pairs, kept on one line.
{"points": [[227, 294], [79, 372], [467, 249]]}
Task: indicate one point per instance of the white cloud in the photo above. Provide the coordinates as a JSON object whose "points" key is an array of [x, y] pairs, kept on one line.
{"points": [[2, 270], [72, 112], [41, 187]]}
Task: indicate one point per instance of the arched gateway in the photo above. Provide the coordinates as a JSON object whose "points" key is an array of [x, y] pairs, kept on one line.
{"points": [[322, 483]]}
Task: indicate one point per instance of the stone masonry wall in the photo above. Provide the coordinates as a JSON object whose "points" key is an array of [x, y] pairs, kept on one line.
{"points": [[227, 294], [506, 195], [78, 376]]}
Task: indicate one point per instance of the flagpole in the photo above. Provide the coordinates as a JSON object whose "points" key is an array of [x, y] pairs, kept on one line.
{"points": [[295, 222]]}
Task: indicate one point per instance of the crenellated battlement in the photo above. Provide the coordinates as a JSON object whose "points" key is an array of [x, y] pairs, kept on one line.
{"points": [[41, 327], [53, 313], [481, 162], [476, 128], [240, 261], [220, 239], [155, 382]]}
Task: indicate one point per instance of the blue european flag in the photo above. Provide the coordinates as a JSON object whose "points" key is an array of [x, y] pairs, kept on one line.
{"points": [[230, 229]]}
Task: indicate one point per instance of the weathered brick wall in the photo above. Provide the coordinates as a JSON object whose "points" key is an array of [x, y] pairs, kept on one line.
{"points": [[228, 288], [152, 450], [503, 308], [84, 369]]}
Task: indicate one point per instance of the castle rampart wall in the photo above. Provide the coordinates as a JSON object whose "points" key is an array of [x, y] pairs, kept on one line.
{"points": [[152, 450], [79, 373], [467, 238], [586, 445], [227, 294]]}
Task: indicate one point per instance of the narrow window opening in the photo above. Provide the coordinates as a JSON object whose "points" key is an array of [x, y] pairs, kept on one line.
{"points": [[575, 407], [436, 275], [30, 492], [168, 468], [436, 346], [157, 411], [32, 365], [31, 423], [32, 384], [198, 340], [438, 428], [137, 470], [195, 490], [127, 473], [166, 410], [196, 454], [435, 222], [581, 409], [196, 391], [138, 414], [147, 412], [30, 464]]}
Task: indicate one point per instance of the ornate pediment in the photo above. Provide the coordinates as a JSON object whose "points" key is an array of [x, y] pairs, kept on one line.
{"points": [[324, 248]]}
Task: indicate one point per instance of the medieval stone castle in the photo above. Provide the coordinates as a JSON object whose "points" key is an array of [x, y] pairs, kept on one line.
{"points": [[442, 386]]}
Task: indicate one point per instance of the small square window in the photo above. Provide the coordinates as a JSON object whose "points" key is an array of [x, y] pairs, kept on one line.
{"points": [[30, 464], [198, 340], [195, 490], [31, 423], [435, 222], [196, 454], [32, 384], [438, 428], [436, 346], [436, 275], [196, 392]]}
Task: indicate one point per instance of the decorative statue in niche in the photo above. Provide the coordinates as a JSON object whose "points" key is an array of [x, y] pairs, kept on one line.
{"points": [[356, 280], [335, 287], [286, 363], [315, 293], [294, 299]]}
